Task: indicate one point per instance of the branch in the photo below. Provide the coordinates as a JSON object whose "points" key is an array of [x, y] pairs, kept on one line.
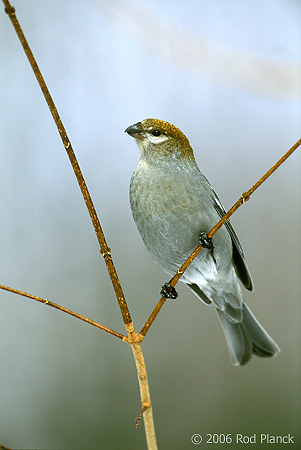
{"points": [[133, 339], [145, 397], [65, 310], [104, 249], [245, 196], [4, 448]]}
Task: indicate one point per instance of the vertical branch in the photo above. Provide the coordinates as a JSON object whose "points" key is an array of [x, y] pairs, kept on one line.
{"points": [[145, 397], [133, 338]]}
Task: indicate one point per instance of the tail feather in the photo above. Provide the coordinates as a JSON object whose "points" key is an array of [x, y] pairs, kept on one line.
{"points": [[246, 338], [263, 344]]}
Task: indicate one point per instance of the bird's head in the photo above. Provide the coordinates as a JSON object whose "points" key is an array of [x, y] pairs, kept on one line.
{"points": [[159, 140]]}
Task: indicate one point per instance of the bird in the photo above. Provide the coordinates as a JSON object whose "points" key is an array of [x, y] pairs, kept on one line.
{"points": [[174, 207]]}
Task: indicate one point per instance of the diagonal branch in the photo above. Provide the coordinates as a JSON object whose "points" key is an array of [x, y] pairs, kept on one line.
{"points": [[245, 196], [104, 249], [4, 448], [133, 339], [65, 310]]}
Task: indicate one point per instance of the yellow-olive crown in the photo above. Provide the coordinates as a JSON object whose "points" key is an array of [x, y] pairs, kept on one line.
{"points": [[154, 135]]}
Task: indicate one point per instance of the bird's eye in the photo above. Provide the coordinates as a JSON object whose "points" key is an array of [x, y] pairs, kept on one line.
{"points": [[156, 133]]}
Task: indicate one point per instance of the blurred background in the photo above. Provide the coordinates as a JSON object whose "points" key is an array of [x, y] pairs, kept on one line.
{"points": [[227, 74]]}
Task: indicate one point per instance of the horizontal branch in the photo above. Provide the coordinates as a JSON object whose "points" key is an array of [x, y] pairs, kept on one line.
{"points": [[244, 197], [65, 310]]}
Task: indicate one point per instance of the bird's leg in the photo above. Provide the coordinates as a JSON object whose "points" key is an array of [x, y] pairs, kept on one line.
{"points": [[206, 242], [168, 291]]}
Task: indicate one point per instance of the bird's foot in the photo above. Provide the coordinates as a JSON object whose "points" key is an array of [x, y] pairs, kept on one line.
{"points": [[205, 241], [168, 291]]}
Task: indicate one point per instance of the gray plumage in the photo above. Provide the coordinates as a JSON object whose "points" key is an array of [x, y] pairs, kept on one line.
{"points": [[172, 203]]}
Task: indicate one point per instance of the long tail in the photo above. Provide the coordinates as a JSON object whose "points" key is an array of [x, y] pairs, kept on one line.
{"points": [[247, 337]]}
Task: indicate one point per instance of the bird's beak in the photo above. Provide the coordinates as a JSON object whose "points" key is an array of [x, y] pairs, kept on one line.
{"points": [[135, 130]]}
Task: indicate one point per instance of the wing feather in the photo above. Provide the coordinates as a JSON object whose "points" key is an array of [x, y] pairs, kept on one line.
{"points": [[241, 268]]}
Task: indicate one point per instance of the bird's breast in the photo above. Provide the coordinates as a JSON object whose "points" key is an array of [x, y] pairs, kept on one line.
{"points": [[167, 209]]}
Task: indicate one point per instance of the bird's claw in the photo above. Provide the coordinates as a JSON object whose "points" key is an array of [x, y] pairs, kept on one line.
{"points": [[168, 291], [205, 241]]}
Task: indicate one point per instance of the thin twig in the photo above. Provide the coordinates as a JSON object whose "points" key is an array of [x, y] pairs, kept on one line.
{"points": [[138, 418], [104, 249], [245, 196], [133, 339], [4, 448], [154, 314], [65, 310]]}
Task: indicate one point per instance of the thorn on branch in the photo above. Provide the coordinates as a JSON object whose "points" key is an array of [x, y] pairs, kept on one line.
{"points": [[138, 418]]}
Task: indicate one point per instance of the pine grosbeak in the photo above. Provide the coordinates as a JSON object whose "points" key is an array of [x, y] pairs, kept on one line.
{"points": [[174, 207]]}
